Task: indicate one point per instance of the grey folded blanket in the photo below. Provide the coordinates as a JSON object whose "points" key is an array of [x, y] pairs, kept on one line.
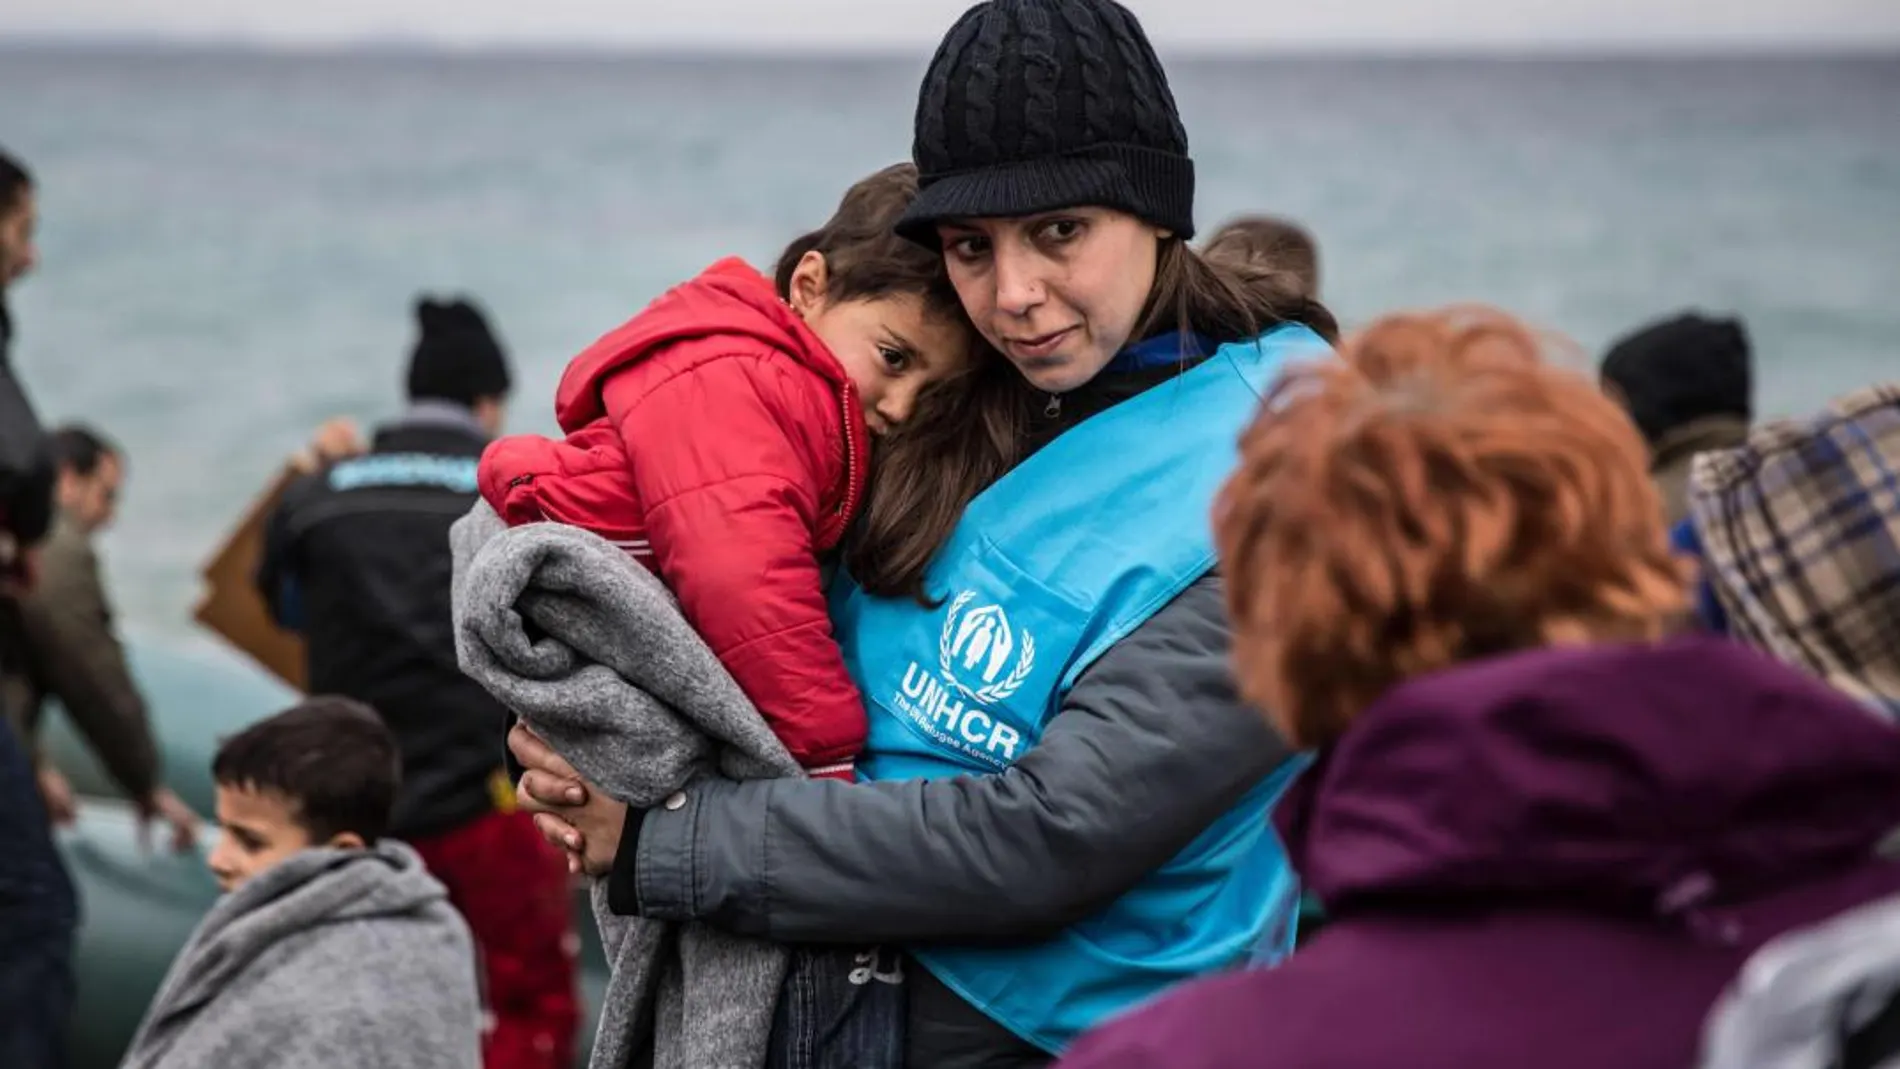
{"points": [[590, 650]]}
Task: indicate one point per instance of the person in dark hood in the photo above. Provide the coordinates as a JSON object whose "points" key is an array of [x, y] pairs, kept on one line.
{"points": [[1688, 382], [1546, 832]]}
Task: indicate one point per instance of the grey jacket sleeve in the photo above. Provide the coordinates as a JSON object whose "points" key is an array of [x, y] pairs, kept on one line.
{"points": [[1150, 747]]}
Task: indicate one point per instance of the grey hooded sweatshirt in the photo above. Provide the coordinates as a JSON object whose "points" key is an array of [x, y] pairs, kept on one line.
{"points": [[332, 958]]}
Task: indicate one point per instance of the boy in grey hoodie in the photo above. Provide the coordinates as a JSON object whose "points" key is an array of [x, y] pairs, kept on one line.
{"points": [[332, 946]]}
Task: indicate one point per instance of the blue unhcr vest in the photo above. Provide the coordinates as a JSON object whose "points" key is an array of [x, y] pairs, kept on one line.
{"points": [[1053, 564]]}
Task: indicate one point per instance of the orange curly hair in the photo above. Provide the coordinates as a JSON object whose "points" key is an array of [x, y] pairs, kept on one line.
{"points": [[1440, 494]]}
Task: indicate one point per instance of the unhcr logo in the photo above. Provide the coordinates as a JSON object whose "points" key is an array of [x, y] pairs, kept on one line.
{"points": [[977, 644], [981, 660]]}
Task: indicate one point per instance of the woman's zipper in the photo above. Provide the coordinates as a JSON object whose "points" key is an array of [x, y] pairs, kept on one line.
{"points": [[1053, 408]]}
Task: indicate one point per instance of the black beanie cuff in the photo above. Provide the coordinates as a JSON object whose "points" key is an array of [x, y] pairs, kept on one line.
{"points": [[1154, 186], [461, 368]]}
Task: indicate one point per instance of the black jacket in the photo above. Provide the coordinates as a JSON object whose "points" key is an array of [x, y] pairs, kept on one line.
{"points": [[356, 557]]}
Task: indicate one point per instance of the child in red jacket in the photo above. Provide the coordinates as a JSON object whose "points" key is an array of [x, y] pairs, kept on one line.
{"points": [[721, 438]]}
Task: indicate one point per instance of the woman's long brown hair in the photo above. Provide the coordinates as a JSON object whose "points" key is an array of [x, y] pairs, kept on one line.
{"points": [[968, 432]]}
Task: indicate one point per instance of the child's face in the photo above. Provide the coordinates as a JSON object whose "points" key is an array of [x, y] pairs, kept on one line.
{"points": [[257, 829], [892, 347]]}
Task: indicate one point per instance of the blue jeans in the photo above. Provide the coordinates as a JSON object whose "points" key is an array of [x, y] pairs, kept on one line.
{"points": [[840, 1009]]}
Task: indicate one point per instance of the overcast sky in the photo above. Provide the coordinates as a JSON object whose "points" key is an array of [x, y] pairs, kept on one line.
{"points": [[811, 24]]}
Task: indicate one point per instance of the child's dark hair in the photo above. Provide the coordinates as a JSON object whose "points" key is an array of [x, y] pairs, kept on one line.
{"points": [[864, 257], [331, 758], [892, 542]]}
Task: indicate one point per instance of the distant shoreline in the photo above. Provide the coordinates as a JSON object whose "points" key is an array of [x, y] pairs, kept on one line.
{"points": [[1414, 52]]}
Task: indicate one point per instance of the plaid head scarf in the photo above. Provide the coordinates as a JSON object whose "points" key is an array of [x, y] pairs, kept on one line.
{"points": [[1800, 532]]}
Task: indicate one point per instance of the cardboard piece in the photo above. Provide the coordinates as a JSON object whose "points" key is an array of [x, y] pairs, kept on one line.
{"points": [[232, 608]]}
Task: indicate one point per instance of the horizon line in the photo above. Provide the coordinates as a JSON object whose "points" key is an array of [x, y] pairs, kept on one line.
{"points": [[1607, 47]]}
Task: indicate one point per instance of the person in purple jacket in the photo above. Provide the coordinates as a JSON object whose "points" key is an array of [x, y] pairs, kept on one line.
{"points": [[1546, 832]]}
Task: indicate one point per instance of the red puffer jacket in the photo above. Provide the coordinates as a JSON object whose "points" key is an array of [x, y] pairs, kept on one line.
{"points": [[717, 439]]}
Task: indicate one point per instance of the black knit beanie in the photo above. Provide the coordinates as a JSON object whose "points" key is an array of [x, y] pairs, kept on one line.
{"points": [[1681, 369], [1034, 105], [456, 357]]}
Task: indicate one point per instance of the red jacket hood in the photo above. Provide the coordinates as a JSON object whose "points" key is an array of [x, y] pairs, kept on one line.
{"points": [[728, 298]]}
